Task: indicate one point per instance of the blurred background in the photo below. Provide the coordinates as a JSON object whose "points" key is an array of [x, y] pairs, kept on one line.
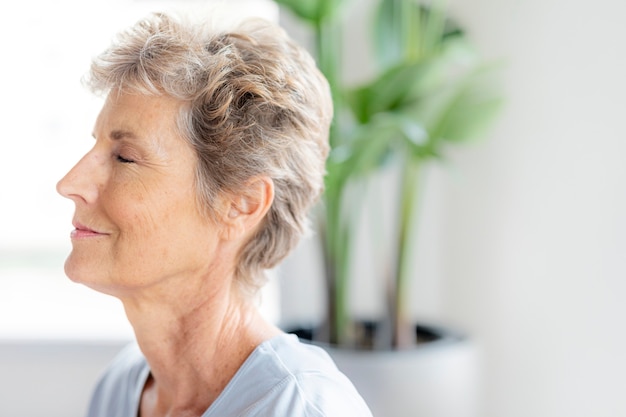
{"points": [[522, 238]]}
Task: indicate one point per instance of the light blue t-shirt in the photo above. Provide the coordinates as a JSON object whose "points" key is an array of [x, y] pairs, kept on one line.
{"points": [[281, 378]]}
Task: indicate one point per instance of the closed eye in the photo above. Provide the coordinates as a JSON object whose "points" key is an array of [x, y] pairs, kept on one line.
{"points": [[123, 160]]}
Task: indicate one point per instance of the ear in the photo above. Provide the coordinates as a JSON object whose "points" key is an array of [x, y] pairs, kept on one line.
{"points": [[245, 210]]}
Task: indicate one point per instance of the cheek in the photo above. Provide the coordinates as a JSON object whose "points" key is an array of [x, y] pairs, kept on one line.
{"points": [[130, 210], [152, 215], [139, 221]]}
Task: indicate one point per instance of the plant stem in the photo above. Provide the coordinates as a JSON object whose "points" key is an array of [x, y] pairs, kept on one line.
{"points": [[328, 45], [402, 330]]}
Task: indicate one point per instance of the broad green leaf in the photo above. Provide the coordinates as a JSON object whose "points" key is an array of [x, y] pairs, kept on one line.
{"points": [[407, 30], [470, 110], [305, 9], [312, 11], [389, 91], [389, 42], [468, 117], [329, 8], [365, 152], [410, 82], [413, 131]]}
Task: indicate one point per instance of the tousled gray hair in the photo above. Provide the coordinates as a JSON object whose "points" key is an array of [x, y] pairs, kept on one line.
{"points": [[254, 103]]}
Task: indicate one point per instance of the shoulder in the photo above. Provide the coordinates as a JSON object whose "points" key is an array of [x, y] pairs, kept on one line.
{"points": [[118, 389], [293, 378]]}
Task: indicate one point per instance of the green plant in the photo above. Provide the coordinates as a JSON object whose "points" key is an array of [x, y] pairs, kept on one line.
{"points": [[430, 90]]}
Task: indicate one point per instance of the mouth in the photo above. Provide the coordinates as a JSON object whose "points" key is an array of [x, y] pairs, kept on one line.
{"points": [[81, 231]]}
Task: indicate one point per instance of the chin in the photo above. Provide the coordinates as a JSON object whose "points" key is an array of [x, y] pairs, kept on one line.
{"points": [[96, 276], [82, 271], [71, 270]]}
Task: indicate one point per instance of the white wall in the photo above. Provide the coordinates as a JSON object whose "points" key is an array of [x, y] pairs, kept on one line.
{"points": [[536, 224], [524, 236], [52, 379]]}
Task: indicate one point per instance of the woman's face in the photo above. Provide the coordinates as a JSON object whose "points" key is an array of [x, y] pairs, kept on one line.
{"points": [[137, 220]]}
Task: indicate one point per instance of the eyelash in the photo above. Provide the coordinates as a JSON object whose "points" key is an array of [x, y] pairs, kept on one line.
{"points": [[123, 160]]}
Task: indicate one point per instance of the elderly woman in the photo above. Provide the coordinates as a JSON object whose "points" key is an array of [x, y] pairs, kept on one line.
{"points": [[209, 151]]}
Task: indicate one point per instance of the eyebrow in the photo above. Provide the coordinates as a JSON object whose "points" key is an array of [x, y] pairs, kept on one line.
{"points": [[119, 135], [122, 134]]}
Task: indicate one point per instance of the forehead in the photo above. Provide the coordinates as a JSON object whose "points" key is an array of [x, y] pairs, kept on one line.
{"points": [[139, 117]]}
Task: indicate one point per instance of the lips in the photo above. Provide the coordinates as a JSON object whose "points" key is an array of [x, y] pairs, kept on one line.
{"points": [[82, 232]]}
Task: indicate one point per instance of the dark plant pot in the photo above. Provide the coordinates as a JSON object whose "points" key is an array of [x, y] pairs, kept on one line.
{"points": [[437, 378]]}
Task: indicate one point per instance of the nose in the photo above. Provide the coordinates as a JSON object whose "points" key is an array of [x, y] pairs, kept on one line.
{"points": [[83, 180]]}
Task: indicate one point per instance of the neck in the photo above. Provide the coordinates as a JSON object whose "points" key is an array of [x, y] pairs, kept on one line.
{"points": [[194, 343]]}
